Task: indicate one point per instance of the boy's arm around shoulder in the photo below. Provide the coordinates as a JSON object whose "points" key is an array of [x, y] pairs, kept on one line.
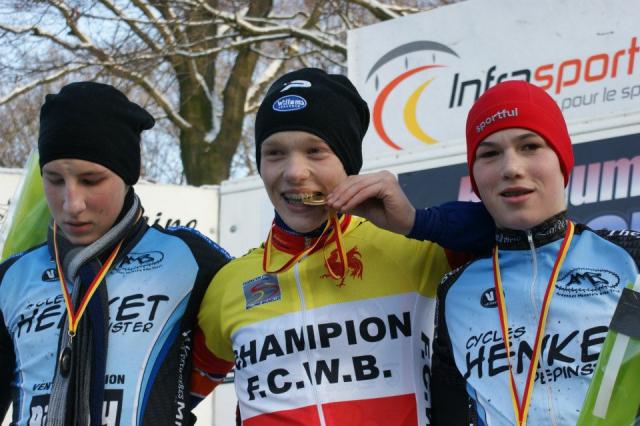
{"points": [[456, 225], [378, 197], [207, 370], [210, 367]]}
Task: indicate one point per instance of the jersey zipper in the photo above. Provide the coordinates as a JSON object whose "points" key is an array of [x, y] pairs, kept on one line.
{"points": [[303, 311], [536, 308]]}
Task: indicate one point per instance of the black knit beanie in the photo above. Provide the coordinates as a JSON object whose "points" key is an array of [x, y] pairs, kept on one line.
{"points": [[326, 105], [93, 122]]}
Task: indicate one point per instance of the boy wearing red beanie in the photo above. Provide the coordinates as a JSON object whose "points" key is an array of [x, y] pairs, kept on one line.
{"points": [[519, 330]]}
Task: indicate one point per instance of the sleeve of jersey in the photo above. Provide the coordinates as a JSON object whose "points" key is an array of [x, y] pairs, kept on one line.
{"points": [[212, 354], [628, 239], [208, 370], [450, 402], [456, 225], [432, 264]]}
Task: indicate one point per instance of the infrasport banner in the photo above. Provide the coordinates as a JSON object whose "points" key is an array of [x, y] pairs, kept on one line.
{"points": [[421, 73]]}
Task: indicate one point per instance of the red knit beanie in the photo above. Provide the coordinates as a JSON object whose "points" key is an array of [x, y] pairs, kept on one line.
{"points": [[518, 104]]}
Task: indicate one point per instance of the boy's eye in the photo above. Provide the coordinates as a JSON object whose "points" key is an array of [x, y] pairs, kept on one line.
{"points": [[319, 149], [91, 182], [271, 152], [531, 146], [54, 180], [487, 153]]}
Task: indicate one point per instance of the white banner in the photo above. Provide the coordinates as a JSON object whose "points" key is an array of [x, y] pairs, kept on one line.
{"points": [[421, 73], [165, 205]]}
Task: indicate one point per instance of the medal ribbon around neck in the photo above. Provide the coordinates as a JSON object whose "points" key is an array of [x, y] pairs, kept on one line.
{"points": [[521, 406], [332, 225], [75, 315]]}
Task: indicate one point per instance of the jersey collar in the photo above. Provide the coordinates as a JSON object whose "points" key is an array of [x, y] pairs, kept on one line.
{"points": [[289, 241], [550, 230]]}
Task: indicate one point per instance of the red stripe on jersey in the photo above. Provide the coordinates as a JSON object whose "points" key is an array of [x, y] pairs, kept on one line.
{"points": [[395, 410], [305, 416], [206, 362]]}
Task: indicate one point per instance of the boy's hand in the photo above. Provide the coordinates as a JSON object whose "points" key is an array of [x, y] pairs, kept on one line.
{"points": [[376, 197]]}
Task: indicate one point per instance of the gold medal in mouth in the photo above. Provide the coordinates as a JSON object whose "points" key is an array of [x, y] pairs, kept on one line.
{"points": [[315, 199]]}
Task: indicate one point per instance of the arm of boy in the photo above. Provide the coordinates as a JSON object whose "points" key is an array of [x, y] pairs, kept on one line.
{"points": [[378, 197]]}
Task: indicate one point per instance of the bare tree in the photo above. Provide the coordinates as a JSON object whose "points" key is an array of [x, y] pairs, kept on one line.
{"points": [[200, 66], [17, 129]]}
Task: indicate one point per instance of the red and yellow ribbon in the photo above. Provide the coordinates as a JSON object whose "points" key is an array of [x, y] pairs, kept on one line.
{"points": [[521, 406], [332, 226], [75, 315]]}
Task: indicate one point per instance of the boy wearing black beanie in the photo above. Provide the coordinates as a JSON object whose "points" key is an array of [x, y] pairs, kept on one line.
{"points": [[330, 320], [96, 322]]}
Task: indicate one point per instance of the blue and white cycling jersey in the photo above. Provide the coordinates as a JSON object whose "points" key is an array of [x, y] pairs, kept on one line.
{"points": [[154, 291], [470, 380]]}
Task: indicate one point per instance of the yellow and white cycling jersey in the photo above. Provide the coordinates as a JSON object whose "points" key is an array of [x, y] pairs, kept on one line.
{"points": [[310, 349]]}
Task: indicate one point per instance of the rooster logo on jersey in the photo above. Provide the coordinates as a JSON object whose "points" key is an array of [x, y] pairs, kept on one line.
{"points": [[354, 265]]}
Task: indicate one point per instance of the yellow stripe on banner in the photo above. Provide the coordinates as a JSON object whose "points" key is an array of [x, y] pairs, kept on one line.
{"points": [[411, 117]]}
